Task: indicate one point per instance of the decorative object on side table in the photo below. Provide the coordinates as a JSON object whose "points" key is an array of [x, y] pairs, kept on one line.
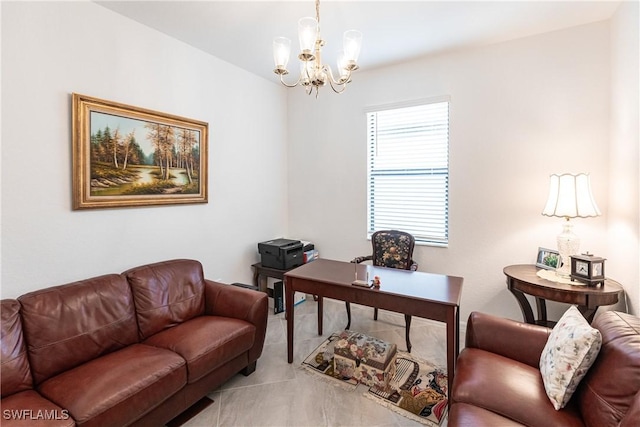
{"points": [[547, 259], [588, 269], [569, 197]]}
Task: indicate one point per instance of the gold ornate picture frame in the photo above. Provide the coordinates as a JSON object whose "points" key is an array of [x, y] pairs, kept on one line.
{"points": [[125, 156]]}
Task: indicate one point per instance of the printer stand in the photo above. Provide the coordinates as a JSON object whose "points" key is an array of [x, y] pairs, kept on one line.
{"points": [[260, 274]]}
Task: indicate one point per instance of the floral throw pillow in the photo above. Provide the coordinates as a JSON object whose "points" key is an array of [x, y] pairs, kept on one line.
{"points": [[570, 351]]}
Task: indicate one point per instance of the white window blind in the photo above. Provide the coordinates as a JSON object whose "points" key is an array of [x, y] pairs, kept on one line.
{"points": [[408, 173]]}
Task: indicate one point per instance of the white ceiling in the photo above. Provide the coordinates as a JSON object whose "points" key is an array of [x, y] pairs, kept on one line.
{"points": [[241, 32]]}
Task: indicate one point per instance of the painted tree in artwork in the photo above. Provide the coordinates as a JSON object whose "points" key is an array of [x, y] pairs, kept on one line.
{"points": [[162, 138], [128, 142], [97, 147], [187, 141], [117, 142]]}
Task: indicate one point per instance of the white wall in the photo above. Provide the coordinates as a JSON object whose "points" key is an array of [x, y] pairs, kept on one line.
{"points": [[624, 159], [520, 111], [50, 50], [559, 102]]}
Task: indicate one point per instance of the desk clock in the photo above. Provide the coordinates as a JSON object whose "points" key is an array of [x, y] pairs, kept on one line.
{"points": [[587, 269]]}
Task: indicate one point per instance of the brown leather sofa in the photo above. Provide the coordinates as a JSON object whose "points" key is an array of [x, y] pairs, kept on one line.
{"points": [[136, 348], [498, 382]]}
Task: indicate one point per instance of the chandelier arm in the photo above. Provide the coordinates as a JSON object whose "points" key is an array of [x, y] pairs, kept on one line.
{"points": [[341, 87], [287, 84], [328, 70], [333, 82]]}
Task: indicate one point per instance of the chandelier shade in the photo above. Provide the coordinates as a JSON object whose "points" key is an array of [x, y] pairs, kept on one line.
{"points": [[313, 73], [352, 41], [307, 32], [281, 52]]}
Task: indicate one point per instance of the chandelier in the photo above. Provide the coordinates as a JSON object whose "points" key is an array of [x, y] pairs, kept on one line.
{"points": [[313, 73]]}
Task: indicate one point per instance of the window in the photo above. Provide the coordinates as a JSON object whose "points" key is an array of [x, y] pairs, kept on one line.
{"points": [[408, 170]]}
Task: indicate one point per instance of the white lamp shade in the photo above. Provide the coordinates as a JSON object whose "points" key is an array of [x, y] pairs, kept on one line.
{"points": [[352, 41], [570, 197], [307, 33], [281, 51]]}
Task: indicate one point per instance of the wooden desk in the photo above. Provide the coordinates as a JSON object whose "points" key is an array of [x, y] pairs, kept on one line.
{"points": [[432, 296], [522, 279]]}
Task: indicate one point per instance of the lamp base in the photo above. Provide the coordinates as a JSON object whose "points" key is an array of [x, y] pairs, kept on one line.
{"points": [[568, 244]]}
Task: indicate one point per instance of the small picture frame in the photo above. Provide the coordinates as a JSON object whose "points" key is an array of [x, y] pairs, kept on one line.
{"points": [[548, 259]]}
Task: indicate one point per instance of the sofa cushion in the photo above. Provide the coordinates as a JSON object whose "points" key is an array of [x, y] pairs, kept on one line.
{"points": [[29, 409], [509, 388], [166, 294], [65, 326], [206, 342], [570, 351], [612, 385], [473, 416], [118, 388], [15, 375]]}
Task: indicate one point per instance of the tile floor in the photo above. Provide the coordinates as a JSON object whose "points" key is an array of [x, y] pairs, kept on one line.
{"points": [[282, 394]]}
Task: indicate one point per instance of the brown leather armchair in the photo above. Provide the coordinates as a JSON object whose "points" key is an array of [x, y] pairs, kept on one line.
{"points": [[392, 249], [498, 381]]}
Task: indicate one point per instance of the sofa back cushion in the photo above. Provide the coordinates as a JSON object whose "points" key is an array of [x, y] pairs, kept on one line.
{"points": [[65, 326], [166, 294], [15, 374], [609, 388]]}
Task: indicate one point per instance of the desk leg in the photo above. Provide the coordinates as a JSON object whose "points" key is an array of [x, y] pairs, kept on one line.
{"points": [[320, 314], [527, 312], [260, 281], [452, 346], [256, 277], [288, 296]]}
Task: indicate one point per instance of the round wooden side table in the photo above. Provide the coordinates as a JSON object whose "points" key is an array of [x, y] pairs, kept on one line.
{"points": [[523, 279]]}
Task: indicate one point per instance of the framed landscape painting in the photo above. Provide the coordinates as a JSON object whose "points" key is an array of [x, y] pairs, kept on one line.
{"points": [[127, 156]]}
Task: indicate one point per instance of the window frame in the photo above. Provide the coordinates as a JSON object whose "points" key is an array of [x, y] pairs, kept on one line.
{"points": [[440, 239]]}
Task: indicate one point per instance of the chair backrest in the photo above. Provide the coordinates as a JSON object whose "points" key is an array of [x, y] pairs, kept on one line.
{"points": [[392, 248]]}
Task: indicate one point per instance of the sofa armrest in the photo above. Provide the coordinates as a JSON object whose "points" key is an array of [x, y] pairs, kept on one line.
{"points": [[632, 417], [516, 340], [240, 303]]}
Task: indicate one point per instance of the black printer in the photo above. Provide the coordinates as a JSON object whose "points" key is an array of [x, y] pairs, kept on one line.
{"points": [[282, 254]]}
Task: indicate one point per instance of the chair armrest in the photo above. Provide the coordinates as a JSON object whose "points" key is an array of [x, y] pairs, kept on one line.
{"points": [[413, 266], [240, 303], [515, 340], [360, 259]]}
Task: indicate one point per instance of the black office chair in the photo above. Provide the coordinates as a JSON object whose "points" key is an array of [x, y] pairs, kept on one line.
{"points": [[392, 249]]}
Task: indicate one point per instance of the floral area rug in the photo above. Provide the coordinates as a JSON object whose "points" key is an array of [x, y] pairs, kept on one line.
{"points": [[417, 391]]}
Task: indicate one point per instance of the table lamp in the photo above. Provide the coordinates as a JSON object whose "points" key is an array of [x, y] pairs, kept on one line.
{"points": [[569, 197]]}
